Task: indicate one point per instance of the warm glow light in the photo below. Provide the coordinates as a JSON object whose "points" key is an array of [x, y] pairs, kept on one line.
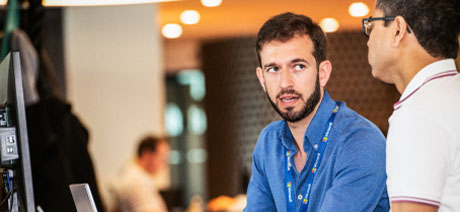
{"points": [[172, 31], [329, 24], [64, 3], [190, 17], [3, 2], [358, 9], [211, 3]]}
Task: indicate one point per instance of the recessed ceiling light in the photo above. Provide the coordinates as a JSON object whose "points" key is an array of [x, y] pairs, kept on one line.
{"points": [[329, 24], [190, 17], [211, 3], [65, 3], [358, 9], [171, 31]]}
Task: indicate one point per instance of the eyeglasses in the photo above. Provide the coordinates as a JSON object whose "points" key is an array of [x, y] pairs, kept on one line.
{"points": [[367, 23]]}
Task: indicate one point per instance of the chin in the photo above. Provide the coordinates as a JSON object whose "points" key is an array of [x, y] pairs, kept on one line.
{"points": [[374, 74], [380, 77]]}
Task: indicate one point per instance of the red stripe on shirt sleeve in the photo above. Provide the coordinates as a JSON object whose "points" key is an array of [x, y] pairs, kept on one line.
{"points": [[416, 200]]}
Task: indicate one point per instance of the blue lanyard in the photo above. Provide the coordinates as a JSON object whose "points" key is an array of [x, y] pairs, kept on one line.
{"points": [[290, 196]]}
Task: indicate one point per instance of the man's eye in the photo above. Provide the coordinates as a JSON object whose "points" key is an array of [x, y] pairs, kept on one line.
{"points": [[299, 67], [272, 69]]}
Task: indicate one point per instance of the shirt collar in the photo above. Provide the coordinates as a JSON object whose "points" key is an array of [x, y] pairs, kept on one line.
{"points": [[437, 68], [315, 130]]}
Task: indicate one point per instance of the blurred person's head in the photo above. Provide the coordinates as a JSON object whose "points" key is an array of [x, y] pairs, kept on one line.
{"points": [[427, 28], [293, 66], [153, 153]]}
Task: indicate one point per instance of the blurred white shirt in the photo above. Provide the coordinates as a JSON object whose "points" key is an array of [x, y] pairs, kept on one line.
{"points": [[136, 191]]}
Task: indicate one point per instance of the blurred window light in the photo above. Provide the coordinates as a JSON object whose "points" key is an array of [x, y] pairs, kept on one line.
{"points": [[190, 17], [175, 157], [211, 3], [358, 9], [3, 2], [329, 24], [196, 120], [174, 120], [195, 79], [171, 31], [197, 155], [64, 3]]}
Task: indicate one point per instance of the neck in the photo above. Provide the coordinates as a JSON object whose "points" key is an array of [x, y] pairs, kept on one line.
{"points": [[411, 71], [143, 164], [140, 162], [299, 128], [411, 60]]}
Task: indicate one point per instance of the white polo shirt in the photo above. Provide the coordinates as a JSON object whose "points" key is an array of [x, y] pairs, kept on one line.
{"points": [[423, 143]]}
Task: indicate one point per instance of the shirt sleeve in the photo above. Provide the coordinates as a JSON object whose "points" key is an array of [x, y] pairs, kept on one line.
{"points": [[417, 158], [359, 175], [259, 197]]}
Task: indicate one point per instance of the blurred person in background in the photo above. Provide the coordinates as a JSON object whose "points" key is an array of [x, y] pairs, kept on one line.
{"points": [[135, 189], [413, 44], [323, 156]]}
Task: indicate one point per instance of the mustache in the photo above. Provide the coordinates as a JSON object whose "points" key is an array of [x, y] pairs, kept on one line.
{"points": [[288, 91]]}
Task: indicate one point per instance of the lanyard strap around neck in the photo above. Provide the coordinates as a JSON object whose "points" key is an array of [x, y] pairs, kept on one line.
{"points": [[290, 195]]}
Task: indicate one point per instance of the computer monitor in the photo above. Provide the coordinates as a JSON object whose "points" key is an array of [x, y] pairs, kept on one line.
{"points": [[14, 144]]}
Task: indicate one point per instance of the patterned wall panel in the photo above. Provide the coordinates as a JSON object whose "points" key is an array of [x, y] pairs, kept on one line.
{"points": [[351, 80], [234, 105], [237, 108]]}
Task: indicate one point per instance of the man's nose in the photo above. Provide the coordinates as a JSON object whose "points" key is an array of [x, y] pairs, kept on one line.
{"points": [[286, 79]]}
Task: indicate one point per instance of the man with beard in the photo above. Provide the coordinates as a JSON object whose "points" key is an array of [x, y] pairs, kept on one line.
{"points": [[413, 44], [323, 156]]}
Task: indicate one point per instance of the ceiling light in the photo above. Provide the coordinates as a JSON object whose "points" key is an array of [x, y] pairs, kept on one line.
{"points": [[211, 3], [64, 3], [358, 9], [329, 24], [171, 31], [190, 17]]}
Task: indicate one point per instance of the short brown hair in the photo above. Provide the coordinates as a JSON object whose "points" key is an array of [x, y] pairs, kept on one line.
{"points": [[285, 26], [149, 144]]}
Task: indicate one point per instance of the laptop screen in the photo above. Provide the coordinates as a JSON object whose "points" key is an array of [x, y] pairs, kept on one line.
{"points": [[83, 198]]}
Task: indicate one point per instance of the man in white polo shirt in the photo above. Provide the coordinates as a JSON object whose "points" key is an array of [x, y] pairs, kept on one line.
{"points": [[413, 44]]}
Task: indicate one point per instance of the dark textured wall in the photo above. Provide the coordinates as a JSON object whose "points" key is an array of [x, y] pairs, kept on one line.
{"points": [[237, 109], [351, 80]]}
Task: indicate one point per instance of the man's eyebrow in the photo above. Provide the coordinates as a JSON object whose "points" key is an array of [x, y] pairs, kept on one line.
{"points": [[269, 65], [296, 60], [300, 60]]}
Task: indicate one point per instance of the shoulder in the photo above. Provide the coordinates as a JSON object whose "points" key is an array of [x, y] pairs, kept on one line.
{"points": [[438, 99], [434, 107], [274, 126], [359, 141], [353, 127], [268, 136], [271, 130]]}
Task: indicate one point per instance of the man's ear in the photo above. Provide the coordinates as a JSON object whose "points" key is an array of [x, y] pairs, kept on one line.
{"points": [[260, 77], [324, 72], [400, 30]]}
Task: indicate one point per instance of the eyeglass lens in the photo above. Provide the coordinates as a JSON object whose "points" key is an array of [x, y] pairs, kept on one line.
{"points": [[368, 27]]}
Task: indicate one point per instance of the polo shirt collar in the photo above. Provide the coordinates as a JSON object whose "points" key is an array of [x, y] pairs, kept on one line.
{"points": [[437, 68], [315, 130]]}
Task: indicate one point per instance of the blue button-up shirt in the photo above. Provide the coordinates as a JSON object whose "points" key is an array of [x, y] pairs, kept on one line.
{"points": [[351, 176]]}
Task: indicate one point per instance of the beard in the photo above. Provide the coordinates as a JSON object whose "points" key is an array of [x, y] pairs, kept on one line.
{"points": [[308, 106]]}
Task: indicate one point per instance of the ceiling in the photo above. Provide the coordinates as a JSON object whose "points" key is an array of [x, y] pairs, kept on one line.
{"points": [[245, 17]]}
